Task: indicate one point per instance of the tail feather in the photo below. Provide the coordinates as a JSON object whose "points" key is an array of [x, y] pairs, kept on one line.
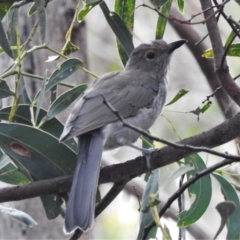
{"points": [[81, 203]]}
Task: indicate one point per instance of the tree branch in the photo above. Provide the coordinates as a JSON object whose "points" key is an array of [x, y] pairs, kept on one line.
{"points": [[216, 136]]}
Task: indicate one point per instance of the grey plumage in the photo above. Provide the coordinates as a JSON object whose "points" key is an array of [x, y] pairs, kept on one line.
{"points": [[138, 93]]}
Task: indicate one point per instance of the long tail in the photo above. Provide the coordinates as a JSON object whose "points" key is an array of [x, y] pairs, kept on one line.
{"points": [[81, 203]]}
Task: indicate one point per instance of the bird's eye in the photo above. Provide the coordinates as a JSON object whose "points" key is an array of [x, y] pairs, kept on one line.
{"points": [[150, 55]]}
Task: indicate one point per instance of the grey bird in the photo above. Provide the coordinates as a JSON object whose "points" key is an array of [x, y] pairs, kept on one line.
{"points": [[138, 93]]}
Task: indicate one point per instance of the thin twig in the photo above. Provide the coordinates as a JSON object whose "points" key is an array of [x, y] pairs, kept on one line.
{"points": [[175, 145]]}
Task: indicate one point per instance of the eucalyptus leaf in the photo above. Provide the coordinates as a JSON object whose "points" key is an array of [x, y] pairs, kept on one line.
{"points": [[66, 69], [22, 92], [64, 100], [180, 4], [86, 9], [4, 42], [119, 28], [42, 19], [161, 24], [42, 155], [230, 194], [179, 95], [202, 190], [145, 213], [19, 215], [4, 90]]}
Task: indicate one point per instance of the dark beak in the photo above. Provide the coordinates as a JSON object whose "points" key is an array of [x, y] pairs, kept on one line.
{"points": [[174, 45]]}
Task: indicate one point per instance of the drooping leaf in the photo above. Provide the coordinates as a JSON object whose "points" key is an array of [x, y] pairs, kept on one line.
{"points": [[38, 152], [125, 9], [180, 94], [180, 4], [52, 205], [33, 8], [146, 216], [86, 9], [119, 28], [225, 209], [4, 42], [202, 190], [179, 172], [19, 215], [161, 23], [4, 90], [230, 194], [42, 19], [66, 69], [64, 100], [4, 7], [12, 29], [23, 116], [22, 92]]}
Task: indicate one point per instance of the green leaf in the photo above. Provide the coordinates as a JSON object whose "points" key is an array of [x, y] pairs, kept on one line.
{"points": [[179, 172], [229, 39], [202, 190], [36, 151], [159, 2], [180, 5], [230, 194], [66, 69], [22, 92], [119, 28], [4, 42], [52, 205], [23, 116], [12, 29], [180, 94], [70, 48], [4, 7], [234, 51], [198, 110], [145, 213], [33, 8], [19, 215], [42, 19], [4, 90], [225, 209], [10, 174], [64, 100], [161, 24], [86, 9], [125, 9]]}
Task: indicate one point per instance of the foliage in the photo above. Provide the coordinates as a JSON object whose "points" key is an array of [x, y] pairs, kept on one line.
{"points": [[25, 158]]}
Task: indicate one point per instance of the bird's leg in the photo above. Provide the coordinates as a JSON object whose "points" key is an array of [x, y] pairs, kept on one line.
{"points": [[146, 151]]}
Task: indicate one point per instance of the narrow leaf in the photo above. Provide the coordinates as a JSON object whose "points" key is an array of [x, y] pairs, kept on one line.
{"points": [[180, 94], [180, 5], [86, 9], [230, 194], [202, 190], [4, 42], [33, 8], [199, 110], [145, 211], [42, 19], [64, 100], [22, 92], [161, 24], [65, 70], [19, 215], [4, 90], [119, 28], [125, 9], [225, 209]]}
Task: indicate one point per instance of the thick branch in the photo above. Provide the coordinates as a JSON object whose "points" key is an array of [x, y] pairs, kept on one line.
{"points": [[226, 80], [216, 136]]}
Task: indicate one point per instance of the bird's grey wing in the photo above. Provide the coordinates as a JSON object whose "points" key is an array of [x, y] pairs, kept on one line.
{"points": [[127, 96]]}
